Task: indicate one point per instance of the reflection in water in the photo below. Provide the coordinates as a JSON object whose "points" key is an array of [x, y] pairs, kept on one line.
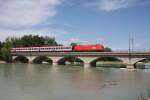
{"points": [[87, 80], [37, 82]]}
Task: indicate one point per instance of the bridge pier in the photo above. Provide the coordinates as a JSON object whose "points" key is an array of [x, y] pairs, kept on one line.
{"points": [[87, 60], [55, 60], [14, 57], [130, 66], [30, 59], [86, 65]]}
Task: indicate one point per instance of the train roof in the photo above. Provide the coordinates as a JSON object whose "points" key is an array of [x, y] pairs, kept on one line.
{"points": [[88, 44], [42, 46]]}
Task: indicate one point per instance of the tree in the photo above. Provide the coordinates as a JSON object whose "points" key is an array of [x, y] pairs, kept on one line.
{"points": [[5, 52], [1, 45], [73, 44], [25, 41], [107, 49], [31, 40]]}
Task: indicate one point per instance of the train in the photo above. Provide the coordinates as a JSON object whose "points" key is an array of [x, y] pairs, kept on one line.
{"points": [[76, 48]]}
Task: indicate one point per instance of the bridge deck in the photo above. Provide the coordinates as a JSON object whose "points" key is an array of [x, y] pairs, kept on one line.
{"points": [[87, 54]]}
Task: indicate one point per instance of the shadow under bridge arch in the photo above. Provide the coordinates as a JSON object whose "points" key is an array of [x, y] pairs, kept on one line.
{"points": [[42, 59], [142, 63], [107, 62], [20, 59], [72, 60]]}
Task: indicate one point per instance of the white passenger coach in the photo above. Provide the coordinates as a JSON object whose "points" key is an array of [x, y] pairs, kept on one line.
{"points": [[43, 49]]}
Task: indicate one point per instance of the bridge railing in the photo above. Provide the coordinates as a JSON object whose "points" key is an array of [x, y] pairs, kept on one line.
{"points": [[133, 51]]}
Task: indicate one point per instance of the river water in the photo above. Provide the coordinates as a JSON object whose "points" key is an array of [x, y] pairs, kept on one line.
{"points": [[46, 82]]}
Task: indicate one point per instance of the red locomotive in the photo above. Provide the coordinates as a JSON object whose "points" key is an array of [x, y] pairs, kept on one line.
{"points": [[77, 48], [97, 47]]}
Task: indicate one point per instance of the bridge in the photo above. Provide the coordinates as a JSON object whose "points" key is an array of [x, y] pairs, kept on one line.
{"points": [[130, 59]]}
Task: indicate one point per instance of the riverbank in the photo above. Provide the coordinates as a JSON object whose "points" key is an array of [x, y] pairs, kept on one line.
{"points": [[2, 62]]}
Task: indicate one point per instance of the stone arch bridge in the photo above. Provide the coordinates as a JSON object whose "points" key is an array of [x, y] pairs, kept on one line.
{"points": [[130, 59]]}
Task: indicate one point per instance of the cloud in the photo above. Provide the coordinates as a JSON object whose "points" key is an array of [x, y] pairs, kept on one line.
{"points": [[17, 33], [74, 40], [112, 5], [26, 13], [109, 5], [51, 32], [22, 17]]}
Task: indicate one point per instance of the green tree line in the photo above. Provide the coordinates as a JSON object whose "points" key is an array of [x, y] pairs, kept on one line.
{"points": [[24, 41]]}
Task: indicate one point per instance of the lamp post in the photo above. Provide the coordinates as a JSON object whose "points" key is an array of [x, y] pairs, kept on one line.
{"points": [[131, 40]]}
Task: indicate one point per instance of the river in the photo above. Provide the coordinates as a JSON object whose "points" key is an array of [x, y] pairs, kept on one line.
{"points": [[46, 82]]}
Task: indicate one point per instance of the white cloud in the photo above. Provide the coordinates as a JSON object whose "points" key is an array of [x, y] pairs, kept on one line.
{"points": [[51, 32], [26, 13], [111, 5], [22, 17], [74, 40], [6, 33]]}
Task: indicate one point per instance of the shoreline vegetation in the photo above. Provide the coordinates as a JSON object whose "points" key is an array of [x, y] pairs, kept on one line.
{"points": [[24, 41], [3, 62]]}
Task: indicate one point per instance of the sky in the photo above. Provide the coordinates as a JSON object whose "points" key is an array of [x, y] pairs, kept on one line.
{"points": [[109, 22]]}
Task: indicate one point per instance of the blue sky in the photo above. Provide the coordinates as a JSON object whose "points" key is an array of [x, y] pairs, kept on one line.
{"points": [[83, 21]]}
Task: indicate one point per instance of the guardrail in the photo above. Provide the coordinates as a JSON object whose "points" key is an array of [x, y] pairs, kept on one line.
{"points": [[142, 50]]}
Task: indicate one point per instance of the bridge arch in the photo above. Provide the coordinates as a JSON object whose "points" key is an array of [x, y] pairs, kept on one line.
{"points": [[20, 59], [107, 61], [42, 59], [70, 60], [143, 60]]}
